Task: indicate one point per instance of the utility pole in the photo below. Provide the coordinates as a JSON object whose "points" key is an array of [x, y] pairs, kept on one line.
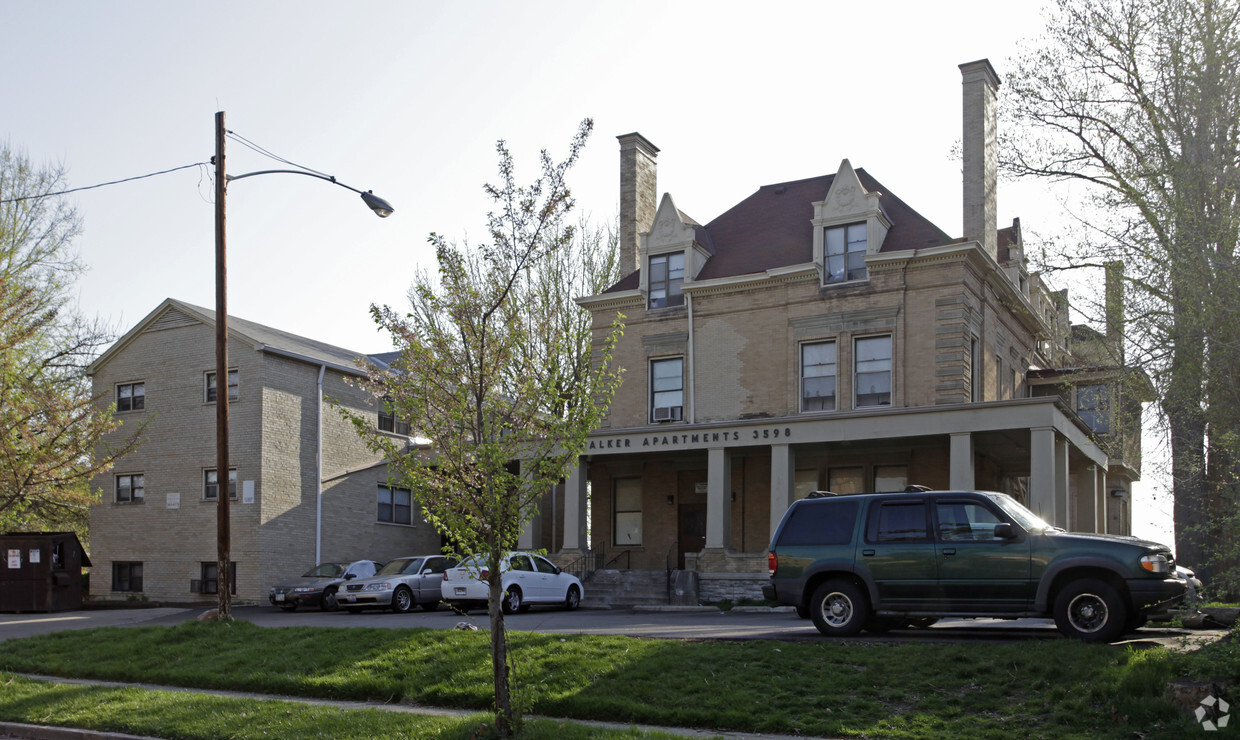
{"points": [[223, 573]]}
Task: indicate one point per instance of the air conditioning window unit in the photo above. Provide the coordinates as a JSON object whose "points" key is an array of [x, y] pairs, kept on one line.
{"points": [[667, 413]]}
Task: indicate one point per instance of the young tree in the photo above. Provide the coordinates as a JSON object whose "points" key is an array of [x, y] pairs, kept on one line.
{"points": [[49, 423], [1139, 101], [496, 369]]}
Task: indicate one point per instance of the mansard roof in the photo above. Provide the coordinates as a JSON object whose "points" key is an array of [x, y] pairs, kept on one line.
{"points": [[773, 228]]}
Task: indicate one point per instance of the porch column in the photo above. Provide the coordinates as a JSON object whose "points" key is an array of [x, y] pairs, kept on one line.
{"points": [[1042, 472], [531, 532], [575, 507], [1061, 482], [718, 498], [1100, 499], [1086, 500], [783, 482], [961, 463]]}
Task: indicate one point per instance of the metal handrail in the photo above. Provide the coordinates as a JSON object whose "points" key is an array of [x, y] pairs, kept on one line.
{"points": [[628, 562], [667, 562]]}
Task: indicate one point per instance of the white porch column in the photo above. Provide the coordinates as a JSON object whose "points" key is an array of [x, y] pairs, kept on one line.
{"points": [[1042, 472], [575, 507], [961, 474], [531, 533], [1100, 499], [1086, 501], [783, 482], [718, 498], [1061, 482]]}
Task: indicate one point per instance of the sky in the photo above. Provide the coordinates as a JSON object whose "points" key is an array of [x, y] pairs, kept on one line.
{"points": [[408, 99]]}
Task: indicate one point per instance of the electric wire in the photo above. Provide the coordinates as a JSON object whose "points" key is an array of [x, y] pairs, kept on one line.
{"points": [[102, 184], [267, 153]]}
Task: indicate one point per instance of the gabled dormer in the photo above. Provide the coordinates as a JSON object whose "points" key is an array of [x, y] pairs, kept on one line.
{"points": [[671, 254], [848, 224]]}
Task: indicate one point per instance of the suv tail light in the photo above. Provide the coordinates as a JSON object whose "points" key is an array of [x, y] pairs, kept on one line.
{"points": [[482, 574], [772, 563]]}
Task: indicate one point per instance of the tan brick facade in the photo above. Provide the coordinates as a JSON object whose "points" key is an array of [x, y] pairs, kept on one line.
{"points": [[273, 445]]}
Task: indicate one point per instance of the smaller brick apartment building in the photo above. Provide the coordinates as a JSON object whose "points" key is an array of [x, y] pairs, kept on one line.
{"points": [[153, 535], [822, 334]]}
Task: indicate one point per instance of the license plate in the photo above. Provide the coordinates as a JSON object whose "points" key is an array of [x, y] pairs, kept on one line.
{"points": [[460, 590], [350, 598], [279, 597]]}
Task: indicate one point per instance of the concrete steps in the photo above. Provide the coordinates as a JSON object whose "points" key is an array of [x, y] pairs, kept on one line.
{"points": [[620, 589]]}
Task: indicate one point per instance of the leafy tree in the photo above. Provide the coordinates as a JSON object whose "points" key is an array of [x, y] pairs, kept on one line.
{"points": [[1139, 101], [497, 370], [49, 423]]}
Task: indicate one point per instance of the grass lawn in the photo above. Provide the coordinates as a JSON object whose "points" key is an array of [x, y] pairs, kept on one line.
{"points": [[1050, 689]]}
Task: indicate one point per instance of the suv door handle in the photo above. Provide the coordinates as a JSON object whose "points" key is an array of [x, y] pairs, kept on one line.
{"points": [[949, 551], [867, 552]]}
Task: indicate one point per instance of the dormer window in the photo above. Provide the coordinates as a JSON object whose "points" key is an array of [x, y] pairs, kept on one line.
{"points": [[667, 272], [845, 252]]}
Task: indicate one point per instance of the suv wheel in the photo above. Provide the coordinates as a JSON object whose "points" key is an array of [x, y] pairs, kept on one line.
{"points": [[839, 609], [1090, 610]]}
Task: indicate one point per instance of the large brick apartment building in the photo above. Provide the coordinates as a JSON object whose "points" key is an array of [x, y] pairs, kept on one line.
{"points": [[153, 535], [821, 334]]}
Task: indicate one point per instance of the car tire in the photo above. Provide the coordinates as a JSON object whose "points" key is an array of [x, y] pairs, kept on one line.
{"points": [[512, 601], [287, 607], [328, 601], [839, 609], [402, 600], [1136, 621], [921, 623], [802, 611], [1090, 610], [572, 599], [430, 605]]}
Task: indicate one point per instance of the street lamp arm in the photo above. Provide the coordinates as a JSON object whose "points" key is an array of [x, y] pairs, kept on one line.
{"points": [[380, 206]]}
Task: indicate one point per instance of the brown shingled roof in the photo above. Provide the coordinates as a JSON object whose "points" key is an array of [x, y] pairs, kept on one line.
{"points": [[772, 228]]}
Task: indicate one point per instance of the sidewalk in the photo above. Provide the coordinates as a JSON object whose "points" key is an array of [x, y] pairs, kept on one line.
{"points": [[39, 732]]}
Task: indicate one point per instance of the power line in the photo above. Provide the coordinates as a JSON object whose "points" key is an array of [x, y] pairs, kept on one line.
{"points": [[102, 184]]}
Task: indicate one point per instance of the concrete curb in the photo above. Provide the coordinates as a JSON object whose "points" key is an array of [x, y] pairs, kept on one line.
{"points": [[43, 732]]}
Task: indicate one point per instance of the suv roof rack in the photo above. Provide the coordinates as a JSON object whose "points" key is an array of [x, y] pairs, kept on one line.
{"points": [[821, 494]]}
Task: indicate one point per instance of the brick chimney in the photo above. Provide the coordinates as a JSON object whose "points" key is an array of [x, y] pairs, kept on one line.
{"points": [[1114, 309], [980, 145], [638, 201]]}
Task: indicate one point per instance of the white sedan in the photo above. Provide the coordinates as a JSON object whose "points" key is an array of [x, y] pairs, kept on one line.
{"points": [[527, 579]]}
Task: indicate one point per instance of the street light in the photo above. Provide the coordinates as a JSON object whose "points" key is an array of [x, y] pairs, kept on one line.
{"points": [[223, 573]]}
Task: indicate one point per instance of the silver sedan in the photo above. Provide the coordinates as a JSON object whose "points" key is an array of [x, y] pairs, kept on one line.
{"points": [[400, 585]]}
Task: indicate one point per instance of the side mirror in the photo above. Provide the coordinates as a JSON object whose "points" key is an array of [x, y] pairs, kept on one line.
{"points": [[427, 572], [350, 576], [1004, 531]]}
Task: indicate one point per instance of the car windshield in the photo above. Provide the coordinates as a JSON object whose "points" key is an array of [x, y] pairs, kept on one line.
{"points": [[325, 570], [401, 567], [1013, 508]]}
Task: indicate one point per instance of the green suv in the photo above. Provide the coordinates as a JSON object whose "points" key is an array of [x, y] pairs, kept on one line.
{"points": [[880, 561]]}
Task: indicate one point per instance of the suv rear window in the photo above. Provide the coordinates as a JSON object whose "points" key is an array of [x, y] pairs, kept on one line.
{"points": [[820, 523]]}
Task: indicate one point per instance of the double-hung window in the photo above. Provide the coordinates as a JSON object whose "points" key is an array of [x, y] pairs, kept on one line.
{"points": [[845, 252], [1093, 408], [395, 505], [130, 397], [667, 272], [627, 504], [667, 389], [818, 376], [872, 379], [209, 582], [388, 421], [211, 484], [232, 386], [126, 576], [130, 488]]}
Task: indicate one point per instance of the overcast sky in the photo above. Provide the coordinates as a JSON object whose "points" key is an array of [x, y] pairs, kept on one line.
{"points": [[409, 98]]}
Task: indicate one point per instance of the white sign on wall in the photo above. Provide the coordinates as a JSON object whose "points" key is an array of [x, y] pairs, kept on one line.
{"points": [[15, 558], [34, 556], [173, 500], [247, 491]]}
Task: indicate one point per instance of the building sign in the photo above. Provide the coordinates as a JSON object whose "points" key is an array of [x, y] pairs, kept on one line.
{"points": [[15, 558], [691, 440], [34, 556]]}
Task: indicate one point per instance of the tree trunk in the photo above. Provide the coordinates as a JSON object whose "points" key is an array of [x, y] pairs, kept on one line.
{"points": [[504, 720]]}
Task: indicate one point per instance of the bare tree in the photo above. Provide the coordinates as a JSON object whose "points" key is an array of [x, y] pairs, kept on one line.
{"points": [[1139, 101]]}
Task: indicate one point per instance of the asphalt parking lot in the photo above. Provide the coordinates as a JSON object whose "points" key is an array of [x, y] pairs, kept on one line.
{"points": [[668, 622]]}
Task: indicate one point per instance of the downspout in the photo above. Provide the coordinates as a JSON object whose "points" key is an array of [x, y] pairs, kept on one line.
{"points": [[692, 382], [318, 471]]}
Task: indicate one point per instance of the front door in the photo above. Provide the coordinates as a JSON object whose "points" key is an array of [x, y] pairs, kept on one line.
{"points": [[690, 531], [977, 570]]}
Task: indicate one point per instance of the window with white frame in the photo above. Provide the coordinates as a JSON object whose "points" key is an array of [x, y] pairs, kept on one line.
{"points": [[667, 389], [130, 397], [233, 386], [818, 376], [667, 272], [627, 507], [844, 248], [395, 505], [1092, 405], [130, 488], [211, 484], [872, 376]]}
